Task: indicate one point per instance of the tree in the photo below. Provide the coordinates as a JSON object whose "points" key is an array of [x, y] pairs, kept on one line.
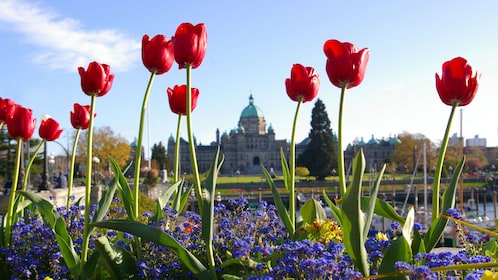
{"points": [[408, 153], [475, 159], [159, 155], [105, 144], [319, 155]]}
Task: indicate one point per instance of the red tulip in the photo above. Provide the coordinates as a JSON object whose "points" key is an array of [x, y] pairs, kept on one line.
{"points": [[49, 129], [303, 83], [7, 109], [97, 79], [80, 118], [190, 44], [178, 99], [345, 64], [22, 124], [456, 83], [157, 54]]}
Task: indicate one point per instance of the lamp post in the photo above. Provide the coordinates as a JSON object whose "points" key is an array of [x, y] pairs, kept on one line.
{"points": [[96, 160], [44, 184]]}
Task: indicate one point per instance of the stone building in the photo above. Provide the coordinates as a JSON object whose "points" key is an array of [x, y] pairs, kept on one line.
{"points": [[376, 151], [246, 147]]}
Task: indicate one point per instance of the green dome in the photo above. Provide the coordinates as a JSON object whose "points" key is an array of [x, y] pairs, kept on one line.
{"points": [[251, 110]]}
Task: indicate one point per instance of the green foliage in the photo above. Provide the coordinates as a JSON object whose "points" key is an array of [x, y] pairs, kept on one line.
{"points": [[279, 204], [320, 153], [400, 249], [353, 220], [159, 237], [302, 171], [119, 262], [159, 155], [438, 223]]}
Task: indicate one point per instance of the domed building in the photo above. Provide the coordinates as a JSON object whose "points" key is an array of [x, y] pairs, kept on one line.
{"points": [[246, 147]]}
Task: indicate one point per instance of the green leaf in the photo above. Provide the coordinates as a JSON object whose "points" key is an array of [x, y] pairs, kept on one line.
{"points": [[336, 211], [161, 238], [58, 226], [373, 198], [124, 190], [312, 210], [407, 230], [438, 224], [230, 277], [285, 171], [417, 244], [106, 200], [382, 208], [184, 198], [353, 220], [209, 195], [398, 251], [282, 211], [90, 267], [119, 262], [163, 199]]}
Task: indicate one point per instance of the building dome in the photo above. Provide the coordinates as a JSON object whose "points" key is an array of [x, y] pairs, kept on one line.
{"points": [[251, 110]]}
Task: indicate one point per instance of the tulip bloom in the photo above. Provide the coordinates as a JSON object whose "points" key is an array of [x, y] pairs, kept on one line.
{"points": [[178, 99], [80, 118], [303, 83], [345, 64], [49, 129], [456, 83], [22, 124], [97, 79], [190, 44], [157, 54], [7, 109]]}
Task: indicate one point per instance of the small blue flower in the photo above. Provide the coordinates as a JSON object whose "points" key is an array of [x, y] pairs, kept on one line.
{"points": [[454, 213]]}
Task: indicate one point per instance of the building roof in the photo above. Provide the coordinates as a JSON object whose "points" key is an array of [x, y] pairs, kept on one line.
{"points": [[251, 110]]}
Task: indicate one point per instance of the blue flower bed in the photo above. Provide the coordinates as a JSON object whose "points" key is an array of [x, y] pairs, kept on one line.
{"points": [[252, 244]]}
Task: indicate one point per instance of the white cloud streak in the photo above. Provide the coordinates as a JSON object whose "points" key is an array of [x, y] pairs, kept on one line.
{"points": [[63, 43]]}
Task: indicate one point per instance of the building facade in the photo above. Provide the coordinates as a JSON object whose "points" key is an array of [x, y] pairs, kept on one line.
{"points": [[376, 151], [245, 148]]}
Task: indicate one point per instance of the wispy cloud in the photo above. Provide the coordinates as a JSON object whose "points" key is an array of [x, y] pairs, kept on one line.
{"points": [[63, 42]]}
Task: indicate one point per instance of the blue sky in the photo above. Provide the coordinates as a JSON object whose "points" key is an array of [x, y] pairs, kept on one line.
{"points": [[252, 46]]}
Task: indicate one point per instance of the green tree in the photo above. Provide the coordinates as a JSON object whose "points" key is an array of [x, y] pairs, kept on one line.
{"points": [[159, 155], [320, 153]]}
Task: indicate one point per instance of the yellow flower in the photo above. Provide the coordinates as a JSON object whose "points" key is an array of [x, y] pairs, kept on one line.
{"points": [[489, 275], [48, 278], [323, 231], [381, 236]]}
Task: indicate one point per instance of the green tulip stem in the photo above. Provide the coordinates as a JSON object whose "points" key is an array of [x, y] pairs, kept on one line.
{"points": [[440, 162], [71, 169], [13, 191], [88, 184], [340, 152], [30, 163], [193, 158], [28, 170], [138, 152], [292, 166], [177, 150]]}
